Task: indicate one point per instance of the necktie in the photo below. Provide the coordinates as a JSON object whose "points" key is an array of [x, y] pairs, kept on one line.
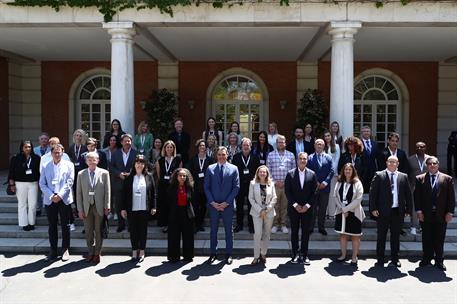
{"points": [[221, 173], [367, 142], [92, 173], [319, 160], [392, 183], [434, 191]]}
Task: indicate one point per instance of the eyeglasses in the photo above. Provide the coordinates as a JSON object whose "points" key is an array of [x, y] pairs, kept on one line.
{"points": [[432, 163]]}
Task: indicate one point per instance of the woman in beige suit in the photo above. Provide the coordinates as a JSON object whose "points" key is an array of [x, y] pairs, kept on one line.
{"points": [[349, 213], [262, 196]]}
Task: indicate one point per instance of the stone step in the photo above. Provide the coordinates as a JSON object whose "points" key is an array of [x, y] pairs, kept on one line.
{"points": [[241, 247], [155, 233]]}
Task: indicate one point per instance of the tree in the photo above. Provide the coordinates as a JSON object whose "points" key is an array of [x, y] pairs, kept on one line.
{"points": [[161, 112], [313, 110]]}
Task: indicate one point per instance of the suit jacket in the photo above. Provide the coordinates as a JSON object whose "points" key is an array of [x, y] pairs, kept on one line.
{"points": [[445, 201], [128, 191], [64, 184], [308, 147], [371, 157], [254, 163], [79, 160], [359, 163], [182, 146], [102, 190], [356, 203], [172, 194], [102, 161], [117, 166], [381, 194], [256, 200], [324, 171], [226, 191], [194, 168], [295, 193], [415, 170], [402, 158]]}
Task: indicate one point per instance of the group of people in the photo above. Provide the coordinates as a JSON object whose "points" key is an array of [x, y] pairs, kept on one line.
{"points": [[278, 183]]}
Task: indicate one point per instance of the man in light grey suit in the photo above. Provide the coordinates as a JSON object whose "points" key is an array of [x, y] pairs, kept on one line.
{"points": [[93, 192], [56, 183]]}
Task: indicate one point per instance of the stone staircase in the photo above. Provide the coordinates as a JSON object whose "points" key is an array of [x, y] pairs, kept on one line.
{"points": [[14, 240]]}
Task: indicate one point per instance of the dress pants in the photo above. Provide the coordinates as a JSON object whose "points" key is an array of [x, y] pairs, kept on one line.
{"points": [[162, 203], [331, 207], [319, 209], [297, 221], [93, 228], [384, 223], [241, 201], [433, 234], [262, 232], [53, 211], [27, 197], [138, 225], [199, 208], [117, 199], [180, 226], [227, 218], [280, 207]]}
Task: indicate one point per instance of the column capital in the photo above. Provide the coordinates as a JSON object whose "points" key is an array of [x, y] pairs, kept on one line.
{"points": [[342, 30], [120, 29]]}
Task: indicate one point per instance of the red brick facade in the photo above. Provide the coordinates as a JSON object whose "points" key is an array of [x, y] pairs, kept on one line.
{"points": [[4, 119], [58, 77], [421, 80]]}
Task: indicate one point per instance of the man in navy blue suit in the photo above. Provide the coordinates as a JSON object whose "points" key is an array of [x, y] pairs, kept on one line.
{"points": [[370, 152], [222, 184], [321, 163]]}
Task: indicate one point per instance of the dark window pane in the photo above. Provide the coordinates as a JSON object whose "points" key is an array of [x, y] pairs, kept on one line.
{"points": [[96, 107]]}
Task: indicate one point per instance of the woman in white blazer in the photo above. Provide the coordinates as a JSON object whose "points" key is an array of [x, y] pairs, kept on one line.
{"points": [[349, 212], [262, 196]]}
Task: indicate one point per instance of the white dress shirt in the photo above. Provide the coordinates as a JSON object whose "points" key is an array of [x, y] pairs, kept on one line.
{"points": [[394, 188], [139, 193], [125, 156]]}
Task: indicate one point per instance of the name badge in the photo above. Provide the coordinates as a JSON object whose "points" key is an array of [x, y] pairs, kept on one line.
{"points": [[282, 167], [246, 171], [55, 181], [77, 164], [201, 174], [262, 162], [28, 171], [137, 194], [91, 193], [167, 177], [141, 150]]}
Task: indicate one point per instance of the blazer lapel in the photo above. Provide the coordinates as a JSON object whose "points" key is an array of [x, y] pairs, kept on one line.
{"points": [[389, 188]]}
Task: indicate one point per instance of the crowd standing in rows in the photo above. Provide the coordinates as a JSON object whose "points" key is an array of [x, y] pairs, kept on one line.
{"points": [[279, 183]]}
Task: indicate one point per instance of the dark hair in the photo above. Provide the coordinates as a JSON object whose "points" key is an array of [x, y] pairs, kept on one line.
{"points": [[356, 142], [299, 127], [354, 176], [335, 123], [199, 141], [58, 146], [189, 183], [265, 147], [216, 133], [393, 134], [24, 142], [140, 159], [312, 128], [236, 123], [120, 126], [332, 142], [126, 135]]}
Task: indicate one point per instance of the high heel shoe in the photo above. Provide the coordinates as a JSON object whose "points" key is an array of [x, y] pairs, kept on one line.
{"points": [[354, 263], [340, 259]]}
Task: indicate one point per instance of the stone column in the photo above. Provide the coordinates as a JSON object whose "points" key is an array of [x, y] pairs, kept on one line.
{"points": [[342, 74], [122, 92]]}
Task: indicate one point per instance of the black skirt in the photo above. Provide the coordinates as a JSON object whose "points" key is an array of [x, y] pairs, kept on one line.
{"points": [[349, 225]]}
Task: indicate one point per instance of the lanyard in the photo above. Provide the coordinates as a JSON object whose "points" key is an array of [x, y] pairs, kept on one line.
{"points": [[346, 187], [246, 164], [167, 168], [28, 163], [421, 164], [281, 159], [436, 179], [91, 180], [77, 153], [201, 163], [142, 140], [353, 159]]}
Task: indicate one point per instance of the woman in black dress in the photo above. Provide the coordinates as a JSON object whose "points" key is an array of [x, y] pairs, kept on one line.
{"points": [[197, 167], [262, 147], [353, 154], [164, 168], [116, 130], [308, 139], [349, 211], [181, 219]]}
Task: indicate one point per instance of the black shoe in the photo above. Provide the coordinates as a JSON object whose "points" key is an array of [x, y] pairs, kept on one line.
{"points": [[31, 227], [251, 230], [51, 257], [201, 229], [424, 263], [306, 261], [340, 260], [120, 228], [211, 259], [294, 259], [25, 228], [238, 229], [140, 259], [228, 260], [300, 260], [354, 263], [402, 232], [311, 231], [379, 263], [395, 264], [440, 266], [38, 213], [323, 232], [83, 231], [188, 260], [165, 229]]}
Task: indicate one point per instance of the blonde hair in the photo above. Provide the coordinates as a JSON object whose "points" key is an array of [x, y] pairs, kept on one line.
{"points": [[268, 179], [168, 142], [83, 135], [141, 125]]}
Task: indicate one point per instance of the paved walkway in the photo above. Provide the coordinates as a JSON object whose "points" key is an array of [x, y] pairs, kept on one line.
{"points": [[27, 279]]}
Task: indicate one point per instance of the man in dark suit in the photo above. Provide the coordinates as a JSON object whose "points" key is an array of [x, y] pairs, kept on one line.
{"points": [[300, 187], [181, 140], [393, 150], [247, 163], [434, 199], [390, 201], [121, 163], [371, 157], [298, 144], [222, 184], [321, 163]]}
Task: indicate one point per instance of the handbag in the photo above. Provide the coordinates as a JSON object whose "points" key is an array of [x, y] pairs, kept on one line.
{"points": [[9, 191]]}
